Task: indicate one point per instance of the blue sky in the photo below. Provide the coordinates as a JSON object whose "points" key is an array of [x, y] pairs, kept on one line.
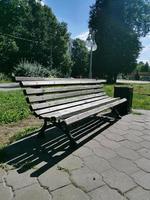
{"points": [[76, 13]]}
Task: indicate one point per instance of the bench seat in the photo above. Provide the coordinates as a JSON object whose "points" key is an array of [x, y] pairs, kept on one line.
{"points": [[63, 102]]}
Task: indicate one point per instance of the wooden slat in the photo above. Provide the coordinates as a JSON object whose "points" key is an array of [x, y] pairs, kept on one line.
{"points": [[43, 90], [91, 112], [81, 108], [47, 104], [62, 95], [61, 82], [68, 105]]}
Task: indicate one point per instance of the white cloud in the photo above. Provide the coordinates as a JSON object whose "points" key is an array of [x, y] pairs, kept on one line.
{"points": [[41, 2], [83, 36]]}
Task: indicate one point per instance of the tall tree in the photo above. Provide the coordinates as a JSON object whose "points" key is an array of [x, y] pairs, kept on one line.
{"points": [[117, 35], [79, 58]]}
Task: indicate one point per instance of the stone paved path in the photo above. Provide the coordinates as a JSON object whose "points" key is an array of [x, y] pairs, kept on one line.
{"points": [[114, 165]]}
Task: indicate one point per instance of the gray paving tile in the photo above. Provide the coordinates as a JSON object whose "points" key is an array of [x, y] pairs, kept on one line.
{"points": [[131, 145], [18, 181], [104, 152], [118, 180], [2, 174], [34, 192], [5, 192], [97, 164], [69, 193], [86, 179], [124, 165], [142, 179], [54, 179], [71, 163], [105, 193], [127, 153], [138, 194], [83, 152], [144, 164], [144, 152]]}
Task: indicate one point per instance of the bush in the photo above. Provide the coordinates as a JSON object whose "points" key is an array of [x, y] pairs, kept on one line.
{"points": [[31, 69], [4, 78]]}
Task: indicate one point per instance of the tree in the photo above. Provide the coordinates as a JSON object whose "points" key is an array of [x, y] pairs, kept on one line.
{"points": [[37, 34], [117, 35], [79, 58]]}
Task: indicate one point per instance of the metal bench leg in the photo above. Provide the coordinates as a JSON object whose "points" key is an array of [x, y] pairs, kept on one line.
{"points": [[116, 113], [42, 131], [63, 126]]}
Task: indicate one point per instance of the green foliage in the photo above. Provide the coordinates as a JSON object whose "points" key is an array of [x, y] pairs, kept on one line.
{"points": [[79, 58], [31, 70], [143, 67], [34, 34], [141, 98], [13, 107], [118, 26], [4, 78]]}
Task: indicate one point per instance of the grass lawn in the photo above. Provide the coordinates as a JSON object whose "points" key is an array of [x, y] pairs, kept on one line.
{"points": [[141, 95], [13, 107]]}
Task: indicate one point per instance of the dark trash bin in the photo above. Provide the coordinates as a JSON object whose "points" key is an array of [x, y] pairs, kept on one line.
{"points": [[124, 92]]}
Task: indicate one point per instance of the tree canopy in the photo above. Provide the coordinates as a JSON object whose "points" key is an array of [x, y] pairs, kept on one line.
{"points": [[79, 57], [30, 31], [118, 26]]}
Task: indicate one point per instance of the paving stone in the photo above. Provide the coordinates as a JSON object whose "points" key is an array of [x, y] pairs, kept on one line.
{"points": [[18, 181], [2, 174], [69, 193], [137, 127], [105, 193], [97, 164], [143, 179], [138, 194], [145, 144], [5, 192], [71, 163], [114, 136], [54, 178], [109, 144], [118, 180], [146, 137], [133, 138], [144, 164], [127, 153], [104, 152], [86, 179], [124, 165], [83, 152], [34, 192], [130, 144], [144, 152]]}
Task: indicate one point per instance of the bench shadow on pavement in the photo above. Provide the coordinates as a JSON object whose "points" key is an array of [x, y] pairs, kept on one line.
{"points": [[42, 154]]}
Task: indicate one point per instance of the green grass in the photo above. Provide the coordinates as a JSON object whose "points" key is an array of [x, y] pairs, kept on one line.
{"points": [[141, 95], [13, 107]]}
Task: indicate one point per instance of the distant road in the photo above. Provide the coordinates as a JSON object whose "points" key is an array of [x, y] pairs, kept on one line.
{"points": [[15, 86]]}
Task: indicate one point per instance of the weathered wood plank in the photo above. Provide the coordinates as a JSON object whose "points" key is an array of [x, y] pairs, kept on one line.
{"points": [[62, 95], [61, 82], [68, 105], [80, 116], [71, 111], [30, 91], [47, 104]]}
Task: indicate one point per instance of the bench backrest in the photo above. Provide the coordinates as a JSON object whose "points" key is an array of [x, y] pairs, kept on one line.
{"points": [[48, 95]]}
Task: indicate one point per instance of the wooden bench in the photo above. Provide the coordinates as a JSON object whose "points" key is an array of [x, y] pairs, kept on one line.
{"points": [[62, 102]]}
